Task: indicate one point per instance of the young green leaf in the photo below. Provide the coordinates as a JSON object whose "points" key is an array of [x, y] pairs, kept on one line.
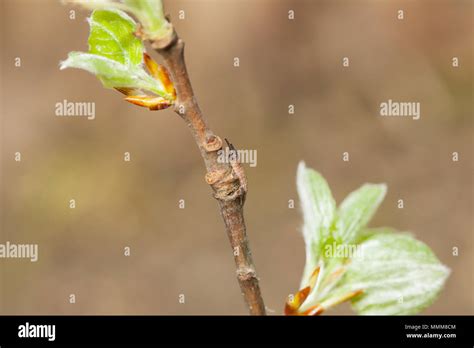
{"points": [[150, 14], [380, 271], [318, 208], [112, 36], [357, 209], [396, 273], [115, 54]]}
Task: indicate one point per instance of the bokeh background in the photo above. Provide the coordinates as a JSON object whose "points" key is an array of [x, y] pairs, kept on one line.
{"points": [[185, 251]]}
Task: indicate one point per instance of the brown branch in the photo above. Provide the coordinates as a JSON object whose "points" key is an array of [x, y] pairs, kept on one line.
{"points": [[226, 179]]}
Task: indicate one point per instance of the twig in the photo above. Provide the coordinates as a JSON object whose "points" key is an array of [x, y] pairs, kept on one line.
{"points": [[226, 179]]}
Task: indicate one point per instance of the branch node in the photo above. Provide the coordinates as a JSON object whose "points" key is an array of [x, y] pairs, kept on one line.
{"points": [[246, 274], [213, 143], [164, 42], [225, 184], [216, 176]]}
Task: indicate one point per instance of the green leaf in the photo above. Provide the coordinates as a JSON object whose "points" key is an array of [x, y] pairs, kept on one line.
{"points": [[379, 270], [115, 54], [149, 13], [357, 209], [319, 209], [397, 273], [367, 233], [111, 73], [111, 36]]}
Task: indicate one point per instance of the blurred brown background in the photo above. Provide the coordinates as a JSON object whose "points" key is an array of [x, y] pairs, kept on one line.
{"points": [[185, 251]]}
